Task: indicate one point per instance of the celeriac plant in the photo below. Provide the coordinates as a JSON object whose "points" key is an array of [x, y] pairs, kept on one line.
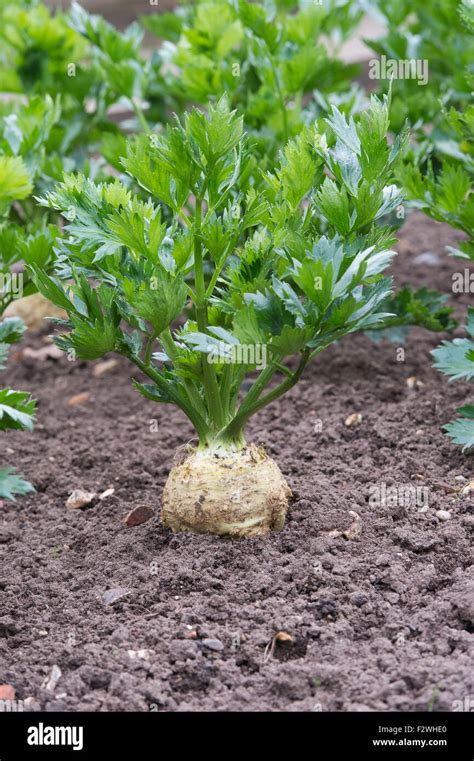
{"points": [[237, 283]]}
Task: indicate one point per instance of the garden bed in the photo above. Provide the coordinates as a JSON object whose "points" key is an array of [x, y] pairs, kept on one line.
{"points": [[381, 621]]}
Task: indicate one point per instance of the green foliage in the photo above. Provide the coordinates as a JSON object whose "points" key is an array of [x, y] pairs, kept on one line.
{"points": [[13, 485], [447, 195], [265, 59], [439, 34], [36, 48], [17, 409], [192, 299], [424, 308], [456, 360], [116, 61]]}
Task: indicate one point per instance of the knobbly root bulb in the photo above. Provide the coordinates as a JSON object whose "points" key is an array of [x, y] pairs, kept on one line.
{"points": [[236, 493]]}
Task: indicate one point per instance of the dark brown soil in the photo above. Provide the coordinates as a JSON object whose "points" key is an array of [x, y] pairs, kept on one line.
{"points": [[383, 621]]}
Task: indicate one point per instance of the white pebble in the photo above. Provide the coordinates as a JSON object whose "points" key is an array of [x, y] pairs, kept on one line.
{"points": [[443, 515]]}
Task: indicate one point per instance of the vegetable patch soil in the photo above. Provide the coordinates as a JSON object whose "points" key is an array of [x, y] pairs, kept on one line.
{"points": [[138, 618]]}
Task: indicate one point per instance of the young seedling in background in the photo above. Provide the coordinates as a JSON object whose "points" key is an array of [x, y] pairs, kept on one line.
{"points": [[189, 304]]}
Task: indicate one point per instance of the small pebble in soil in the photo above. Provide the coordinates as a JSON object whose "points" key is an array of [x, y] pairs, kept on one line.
{"points": [[283, 637], [443, 515], [78, 399], [107, 493], [213, 644], [104, 367], [7, 626], [138, 515], [31, 704], [50, 682], [80, 498], [428, 258], [112, 595], [142, 655], [352, 420], [413, 382]]}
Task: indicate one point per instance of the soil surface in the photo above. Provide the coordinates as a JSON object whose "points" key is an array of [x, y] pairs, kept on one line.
{"points": [[140, 619]]}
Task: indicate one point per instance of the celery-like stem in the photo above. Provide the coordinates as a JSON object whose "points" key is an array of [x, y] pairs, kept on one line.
{"points": [[194, 396], [196, 419], [253, 402], [140, 115], [211, 386]]}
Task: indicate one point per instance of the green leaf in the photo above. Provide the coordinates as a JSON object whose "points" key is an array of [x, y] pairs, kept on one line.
{"points": [[15, 180], [159, 301], [167, 26], [452, 358], [11, 330], [246, 328], [12, 485], [51, 288], [333, 202], [470, 321], [255, 18], [467, 411], [298, 170], [143, 162], [89, 339], [424, 308], [290, 341], [461, 431], [217, 134], [151, 392], [17, 410]]}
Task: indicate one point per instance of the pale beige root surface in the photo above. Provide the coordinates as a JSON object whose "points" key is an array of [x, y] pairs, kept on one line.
{"points": [[238, 494], [34, 310]]}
